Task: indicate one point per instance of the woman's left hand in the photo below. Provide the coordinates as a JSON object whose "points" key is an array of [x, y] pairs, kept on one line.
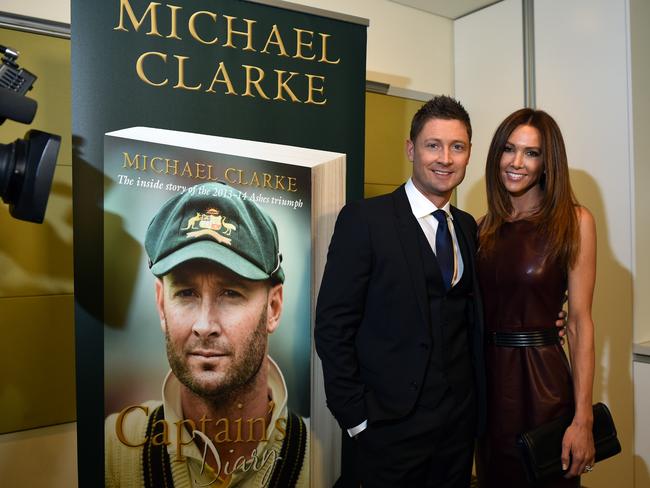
{"points": [[578, 452]]}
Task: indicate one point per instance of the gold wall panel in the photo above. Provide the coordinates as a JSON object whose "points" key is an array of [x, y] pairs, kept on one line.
{"points": [[36, 259], [376, 190], [37, 382], [388, 121]]}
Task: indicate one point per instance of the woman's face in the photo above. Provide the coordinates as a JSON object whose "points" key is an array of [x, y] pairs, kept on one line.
{"points": [[522, 163]]}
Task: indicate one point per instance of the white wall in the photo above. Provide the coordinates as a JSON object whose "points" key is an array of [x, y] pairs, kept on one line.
{"points": [[407, 48], [489, 81], [56, 10], [641, 425], [640, 45], [583, 75]]}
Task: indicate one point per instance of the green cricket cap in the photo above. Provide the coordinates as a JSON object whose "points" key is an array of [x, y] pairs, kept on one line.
{"points": [[216, 222]]}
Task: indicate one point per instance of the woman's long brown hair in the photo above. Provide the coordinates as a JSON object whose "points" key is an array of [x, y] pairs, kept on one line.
{"points": [[556, 216]]}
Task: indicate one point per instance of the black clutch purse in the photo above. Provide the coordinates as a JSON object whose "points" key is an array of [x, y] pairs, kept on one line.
{"points": [[541, 448]]}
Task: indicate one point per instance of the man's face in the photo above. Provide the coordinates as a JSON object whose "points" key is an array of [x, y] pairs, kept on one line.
{"points": [[216, 325], [439, 154]]}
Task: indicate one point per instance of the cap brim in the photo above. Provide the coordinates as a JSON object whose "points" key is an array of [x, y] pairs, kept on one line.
{"points": [[212, 251]]}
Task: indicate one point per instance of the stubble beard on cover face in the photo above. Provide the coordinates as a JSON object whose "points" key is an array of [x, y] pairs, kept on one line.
{"points": [[240, 375]]}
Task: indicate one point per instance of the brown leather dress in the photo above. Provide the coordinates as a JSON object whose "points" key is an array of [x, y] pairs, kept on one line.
{"points": [[526, 386]]}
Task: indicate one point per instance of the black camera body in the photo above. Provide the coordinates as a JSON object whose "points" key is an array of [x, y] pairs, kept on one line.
{"points": [[26, 165], [12, 76]]}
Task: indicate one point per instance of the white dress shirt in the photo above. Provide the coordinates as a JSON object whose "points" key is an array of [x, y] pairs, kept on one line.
{"points": [[423, 209]]}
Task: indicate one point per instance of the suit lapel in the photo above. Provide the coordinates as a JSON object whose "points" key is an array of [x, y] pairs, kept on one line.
{"points": [[465, 241], [407, 229]]}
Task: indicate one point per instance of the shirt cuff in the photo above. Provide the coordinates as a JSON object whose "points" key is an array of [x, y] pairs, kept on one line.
{"points": [[354, 431]]}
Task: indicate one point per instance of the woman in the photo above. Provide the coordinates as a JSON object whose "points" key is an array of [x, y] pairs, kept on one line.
{"points": [[535, 244]]}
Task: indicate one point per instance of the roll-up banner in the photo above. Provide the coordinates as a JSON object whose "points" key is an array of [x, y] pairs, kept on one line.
{"points": [[212, 141]]}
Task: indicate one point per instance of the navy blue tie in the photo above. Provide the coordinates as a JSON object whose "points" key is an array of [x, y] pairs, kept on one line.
{"points": [[444, 248]]}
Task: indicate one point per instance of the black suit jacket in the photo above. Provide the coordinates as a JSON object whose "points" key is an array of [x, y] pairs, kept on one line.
{"points": [[373, 331]]}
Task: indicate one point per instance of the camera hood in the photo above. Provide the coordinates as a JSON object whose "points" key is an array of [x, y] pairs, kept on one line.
{"points": [[26, 171]]}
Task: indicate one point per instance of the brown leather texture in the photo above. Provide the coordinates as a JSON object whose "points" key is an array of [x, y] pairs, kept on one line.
{"points": [[526, 386]]}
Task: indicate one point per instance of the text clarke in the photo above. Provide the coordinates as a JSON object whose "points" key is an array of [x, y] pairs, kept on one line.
{"points": [[206, 171], [161, 69]]}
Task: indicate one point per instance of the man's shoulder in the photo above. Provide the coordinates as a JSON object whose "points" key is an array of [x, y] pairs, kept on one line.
{"points": [[373, 205]]}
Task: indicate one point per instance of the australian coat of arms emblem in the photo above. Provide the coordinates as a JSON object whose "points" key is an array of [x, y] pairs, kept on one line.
{"points": [[210, 223]]}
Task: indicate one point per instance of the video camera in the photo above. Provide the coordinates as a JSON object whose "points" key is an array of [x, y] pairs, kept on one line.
{"points": [[26, 165]]}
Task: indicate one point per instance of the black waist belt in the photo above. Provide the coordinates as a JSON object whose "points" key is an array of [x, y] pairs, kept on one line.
{"points": [[528, 338]]}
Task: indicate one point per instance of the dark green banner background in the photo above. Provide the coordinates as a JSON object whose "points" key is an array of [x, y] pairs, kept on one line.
{"points": [[108, 95]]}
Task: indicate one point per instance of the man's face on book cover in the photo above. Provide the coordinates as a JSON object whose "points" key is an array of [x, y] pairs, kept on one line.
{"points": [[216, 325]]}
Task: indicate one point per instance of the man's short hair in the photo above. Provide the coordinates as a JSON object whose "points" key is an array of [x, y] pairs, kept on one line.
{"points": [[216, 222], [440, 107]]}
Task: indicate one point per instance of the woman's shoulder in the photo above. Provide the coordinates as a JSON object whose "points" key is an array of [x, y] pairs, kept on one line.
{"points": [[584, 215], [586, 223]]}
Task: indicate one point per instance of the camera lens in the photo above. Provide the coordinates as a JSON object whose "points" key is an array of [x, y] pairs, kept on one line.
{"points": [[26, 171]]}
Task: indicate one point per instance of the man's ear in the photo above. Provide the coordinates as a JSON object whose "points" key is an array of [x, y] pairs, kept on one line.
{"points": [[160, 303], [410, 147], [274, 308]]}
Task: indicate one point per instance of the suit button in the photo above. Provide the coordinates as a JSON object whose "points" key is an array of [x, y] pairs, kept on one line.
{"points": [[424, 346], [414, 385]]}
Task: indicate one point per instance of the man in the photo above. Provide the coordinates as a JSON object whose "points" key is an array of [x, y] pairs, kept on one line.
{"points": [[223, 420], [398, 319]]}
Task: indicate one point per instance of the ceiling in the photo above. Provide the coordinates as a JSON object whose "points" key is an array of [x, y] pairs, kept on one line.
{"points": [[452, 9]]}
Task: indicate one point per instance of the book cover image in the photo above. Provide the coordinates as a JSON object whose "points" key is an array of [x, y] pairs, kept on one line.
{"points": [[207, 334]]}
